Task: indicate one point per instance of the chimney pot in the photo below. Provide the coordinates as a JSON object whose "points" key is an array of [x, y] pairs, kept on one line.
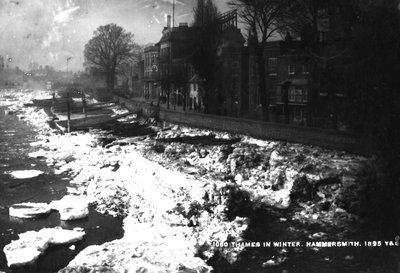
{"points": [[169, 21]]}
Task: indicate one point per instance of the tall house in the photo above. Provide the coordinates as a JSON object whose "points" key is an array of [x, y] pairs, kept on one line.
{"points": [[175, 48], [136, 79], [2, 64], [272, 51], [151, 87]]}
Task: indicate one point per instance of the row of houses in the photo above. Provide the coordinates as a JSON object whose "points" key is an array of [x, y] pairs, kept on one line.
{"points": [[297, 93]]}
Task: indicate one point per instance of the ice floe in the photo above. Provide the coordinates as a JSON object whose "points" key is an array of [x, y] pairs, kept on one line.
{"points": [[71, 207], [29, 210], [25, 174], [32, 244]]}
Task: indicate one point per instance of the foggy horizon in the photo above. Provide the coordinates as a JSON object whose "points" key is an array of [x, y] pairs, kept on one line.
{"points": [[50, 31]]}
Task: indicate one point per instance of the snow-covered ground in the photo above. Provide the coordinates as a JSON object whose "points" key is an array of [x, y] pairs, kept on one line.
{"points": [[179, 199]]}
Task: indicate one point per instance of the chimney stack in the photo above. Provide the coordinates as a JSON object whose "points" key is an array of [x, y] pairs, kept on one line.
{"points": [[169, 21]]}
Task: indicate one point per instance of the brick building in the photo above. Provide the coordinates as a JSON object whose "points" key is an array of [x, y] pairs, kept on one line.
{"points": [[2, 64], [287, 82], [232, 73], [292, 90], [136, 79]]}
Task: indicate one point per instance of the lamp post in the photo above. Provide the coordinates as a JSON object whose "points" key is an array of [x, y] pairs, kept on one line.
{"points": [[68, 58], [173, 14]]}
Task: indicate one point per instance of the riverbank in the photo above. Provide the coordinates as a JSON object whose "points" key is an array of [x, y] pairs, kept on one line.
{"points": [[188, 197]]}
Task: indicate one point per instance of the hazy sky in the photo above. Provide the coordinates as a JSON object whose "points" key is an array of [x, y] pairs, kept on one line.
{"points": [[49, 31]]}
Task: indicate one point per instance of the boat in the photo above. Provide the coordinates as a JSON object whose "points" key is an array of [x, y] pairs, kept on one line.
{"points": [[78, 107], [42, 102], [88, 122]]}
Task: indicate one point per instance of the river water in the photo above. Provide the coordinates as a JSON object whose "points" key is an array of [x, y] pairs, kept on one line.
{"points": [[15, 138]]}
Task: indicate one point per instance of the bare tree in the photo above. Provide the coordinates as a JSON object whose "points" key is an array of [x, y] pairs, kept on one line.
{"points": [[110, 48], [262, 19]]}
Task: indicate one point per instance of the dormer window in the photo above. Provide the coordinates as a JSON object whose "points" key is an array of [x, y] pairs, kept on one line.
{"points": [[273, 66]]}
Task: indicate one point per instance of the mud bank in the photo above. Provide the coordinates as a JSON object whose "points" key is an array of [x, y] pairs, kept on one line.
{"points": [[189, 197]]}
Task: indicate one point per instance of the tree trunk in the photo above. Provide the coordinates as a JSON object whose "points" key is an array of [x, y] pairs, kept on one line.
{"points": [[112, 79], [108, 80], [184, 98], [211, 97], [264, 94], [168, 94]]}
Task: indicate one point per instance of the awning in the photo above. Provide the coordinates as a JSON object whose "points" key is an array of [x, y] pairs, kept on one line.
{"points": [[196, 79]]}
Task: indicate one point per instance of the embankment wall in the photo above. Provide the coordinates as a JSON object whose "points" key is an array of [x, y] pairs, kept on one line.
{"points": [[265, 130]]}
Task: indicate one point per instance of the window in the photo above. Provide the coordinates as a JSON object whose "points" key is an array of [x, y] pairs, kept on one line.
{"points": [[293, 94], [279, 94], [322, 36], [291, 69], [297, 94], [305, 94], [235, 68], [272, 65], [306, 69]]}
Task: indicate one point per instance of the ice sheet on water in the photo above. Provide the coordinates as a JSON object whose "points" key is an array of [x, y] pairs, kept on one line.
{"points": [[25, 174]]}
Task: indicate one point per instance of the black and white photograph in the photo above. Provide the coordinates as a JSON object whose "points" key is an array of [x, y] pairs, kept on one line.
{"points": [[199, 136]]}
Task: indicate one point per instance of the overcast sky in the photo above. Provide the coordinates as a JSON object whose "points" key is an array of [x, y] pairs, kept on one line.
{"points": [[49, 31]]}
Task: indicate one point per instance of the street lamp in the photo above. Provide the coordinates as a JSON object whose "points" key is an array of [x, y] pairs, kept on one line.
{"points": [[68, 58]]}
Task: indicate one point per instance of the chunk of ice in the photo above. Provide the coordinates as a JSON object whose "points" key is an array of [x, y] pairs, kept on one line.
{"points": [[31, 244], [25, 174], [29, 210], [71, 207]]}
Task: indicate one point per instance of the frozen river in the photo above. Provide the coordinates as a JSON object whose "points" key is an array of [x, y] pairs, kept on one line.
{"points": [[15, 139]]}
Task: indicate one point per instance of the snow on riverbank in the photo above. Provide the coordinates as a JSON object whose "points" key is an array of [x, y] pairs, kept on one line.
{"points": [[177, 198]]}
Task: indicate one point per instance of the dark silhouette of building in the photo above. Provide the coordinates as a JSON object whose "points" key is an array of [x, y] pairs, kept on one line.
{"points": [[170, 77], [175, 48], [231, 72]]}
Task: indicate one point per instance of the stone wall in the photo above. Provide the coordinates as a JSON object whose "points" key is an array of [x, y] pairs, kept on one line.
{"points": [[264, 130]]}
